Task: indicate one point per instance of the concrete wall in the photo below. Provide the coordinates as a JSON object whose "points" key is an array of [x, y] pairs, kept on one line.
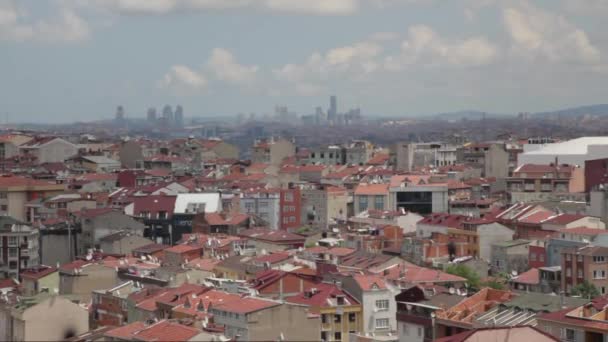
{"points": [[489, 234], [51, 320], [55, 249], [56, 151]]}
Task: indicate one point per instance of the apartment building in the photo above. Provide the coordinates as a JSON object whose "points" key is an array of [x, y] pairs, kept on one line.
{"points": [[17, 191], [341, 314], [532, 182], [272, 151], [588, 263], [19, 247]]}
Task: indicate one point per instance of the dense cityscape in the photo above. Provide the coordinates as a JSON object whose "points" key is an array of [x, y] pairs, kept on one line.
{"points": [[303, 170]]}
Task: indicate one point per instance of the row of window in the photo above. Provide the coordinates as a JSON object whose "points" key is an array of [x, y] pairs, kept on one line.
{"points": [[289, 208], [289, 219], [378, 202], [541, 257], [13, 240], [579, 258], [338, 318]]}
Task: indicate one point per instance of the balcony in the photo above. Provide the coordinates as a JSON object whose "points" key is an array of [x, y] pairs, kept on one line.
{"points": [[529, 187]]}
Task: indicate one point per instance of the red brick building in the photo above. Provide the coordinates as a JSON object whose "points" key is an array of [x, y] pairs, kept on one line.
{"points": [[290, 209]]}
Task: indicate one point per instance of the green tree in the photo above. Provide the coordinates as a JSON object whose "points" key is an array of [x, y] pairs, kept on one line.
{"points": [[585, 290], [495, 284], [465, 272]]}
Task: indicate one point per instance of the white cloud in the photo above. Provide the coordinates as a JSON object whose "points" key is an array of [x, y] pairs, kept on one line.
{"points": [[315, 7], [182, 77], [425, 47], [536, 33], [226, 68], [16, 25], [352, 62], [321, 7], [310, 7]]}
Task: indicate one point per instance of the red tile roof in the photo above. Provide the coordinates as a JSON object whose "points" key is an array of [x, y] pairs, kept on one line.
{"points": [[537, 217], [503, 334], [184, 248], [204, 264], [378, 159], [219, 219], [372, 189], [530, 277], [340, 251], [416, 275], [73, 265], [36, 273], [19, 181], [153, 204], [246, 305], [584, 231], [444, 220], [369, 282], [272, 258], [321, 297], [126, 331], [166, 331], [272, 235], [91, 213], [565, 218]]}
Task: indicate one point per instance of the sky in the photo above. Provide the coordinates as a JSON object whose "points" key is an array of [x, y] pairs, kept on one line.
{"points": [[76, 60]]}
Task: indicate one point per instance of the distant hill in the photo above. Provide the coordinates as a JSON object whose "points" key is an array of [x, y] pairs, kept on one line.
{"points": [[599, 110], [466, 114]]}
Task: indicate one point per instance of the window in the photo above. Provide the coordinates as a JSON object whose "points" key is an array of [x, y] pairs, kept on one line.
{"points": [[362, 203], [568, 272], [382, 304], [532, 256], [580, 273], [285, 220], [337, 318], [378, 202], [288, 197], [405, 329], [382, 323], [292, 219], [599, 274], [4, 207], [12, 252], [323, 333], [419, 332], [337, 336], [579, 258], [603, 289], [568, 334], [323, 318], [541, 258], [598, 259], [263, 204], [352, 317], [12, 265], [12, 240], [569, 257], [3, 194]]}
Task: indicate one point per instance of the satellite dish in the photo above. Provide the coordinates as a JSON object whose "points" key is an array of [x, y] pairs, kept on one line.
{"points": [[514, 273], [89, 257], [452, 290]]}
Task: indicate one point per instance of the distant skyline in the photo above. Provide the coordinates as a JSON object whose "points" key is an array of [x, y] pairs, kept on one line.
{"points": [[68, 60]]}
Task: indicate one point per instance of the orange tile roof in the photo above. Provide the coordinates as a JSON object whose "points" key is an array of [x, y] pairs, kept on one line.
{"points": [[126, 331], [371, 189]]}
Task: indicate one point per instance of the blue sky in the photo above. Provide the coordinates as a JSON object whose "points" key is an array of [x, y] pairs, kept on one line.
{"points": [[66, 60]]}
